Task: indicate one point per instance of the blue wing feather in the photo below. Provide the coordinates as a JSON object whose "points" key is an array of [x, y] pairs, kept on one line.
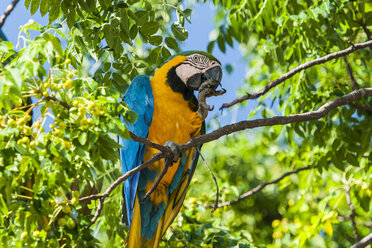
{"points": [[139, 99]]}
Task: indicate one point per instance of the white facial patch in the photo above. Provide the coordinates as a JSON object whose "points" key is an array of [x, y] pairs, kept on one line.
{"points": [[185, 71]]}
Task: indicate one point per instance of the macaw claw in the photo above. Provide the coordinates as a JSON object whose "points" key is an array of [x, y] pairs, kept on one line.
{"points": [[175, 149], [205, 91]]}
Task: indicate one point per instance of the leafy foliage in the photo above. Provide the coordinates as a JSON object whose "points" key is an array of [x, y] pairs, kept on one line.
{"points": [[73, 74]]}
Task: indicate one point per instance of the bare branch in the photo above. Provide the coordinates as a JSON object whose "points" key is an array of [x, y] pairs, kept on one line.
{"points": [[124, 177], [351, 75], [367, 240], [355, 87], [347, 218], [53, 98], [296, 70], [98, 212], [353, 214], [366, 30], [149, 143], [280, 120], [261, 187], [7, 12], [361, 107]]}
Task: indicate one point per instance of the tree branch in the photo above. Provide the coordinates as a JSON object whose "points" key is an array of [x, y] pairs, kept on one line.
{"points": [[361, 107], [149, 143], [367, 240], [298, 69], [278, 120], [7, 12], [355, 87], [124, 177], [353, 214], [347, 218], [260, 187], [365, 30], [351, 75], [64, 104]]}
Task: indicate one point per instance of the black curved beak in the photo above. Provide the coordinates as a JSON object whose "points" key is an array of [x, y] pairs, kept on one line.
{"points": [[213, 74]]}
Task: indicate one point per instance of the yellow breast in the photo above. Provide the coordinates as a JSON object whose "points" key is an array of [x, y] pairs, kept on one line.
{"points": [[173, 120]]}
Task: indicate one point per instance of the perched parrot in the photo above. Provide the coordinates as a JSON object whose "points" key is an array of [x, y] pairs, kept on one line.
{"points": [[167, 115]]}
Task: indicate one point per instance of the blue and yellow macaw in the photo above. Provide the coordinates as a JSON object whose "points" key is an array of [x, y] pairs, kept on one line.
{"points": [[167, 112]]}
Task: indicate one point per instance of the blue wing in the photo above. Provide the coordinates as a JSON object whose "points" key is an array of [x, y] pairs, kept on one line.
{"points": [[139, 98]]}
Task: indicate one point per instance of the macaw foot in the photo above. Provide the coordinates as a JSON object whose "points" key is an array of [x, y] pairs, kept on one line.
{"points": [[175, 149], [206, 90]]}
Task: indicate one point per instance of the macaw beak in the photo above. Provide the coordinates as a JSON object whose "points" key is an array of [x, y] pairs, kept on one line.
{"points": [[213, 74]]}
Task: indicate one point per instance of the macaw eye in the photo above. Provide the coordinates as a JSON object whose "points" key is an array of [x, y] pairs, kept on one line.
{"points": [[195, 58]]}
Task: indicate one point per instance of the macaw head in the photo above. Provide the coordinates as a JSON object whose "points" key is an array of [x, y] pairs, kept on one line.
{"points": [[187, 71], [197, 68]]}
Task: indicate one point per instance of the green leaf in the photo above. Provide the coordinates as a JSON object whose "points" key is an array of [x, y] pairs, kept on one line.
{"points": [[187, 14], [165, 53], [221, 44], [171, 43], [14, 76], [140, 17], [82, 138], [119, 80], [121, 4], [54, 12], [210, 46], [155, 40], [34, 6], [150, 28], [228, 68], [179, 32], [133, 31], [352, 159], [107, 141], [155, 56], [71, 18], [27, 3], [44, 7]]}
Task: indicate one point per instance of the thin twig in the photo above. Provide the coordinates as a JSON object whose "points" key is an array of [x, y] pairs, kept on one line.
{"points": [[298, 69], [351, 75], [98, 212], [355, 87], [124, 177], [215, 206], [365, 29], [353, 214], [347, 218], [361, 107], [149, 143], [64, 104], [367, 240], [164, 171], [7, 12], [260, 187]]}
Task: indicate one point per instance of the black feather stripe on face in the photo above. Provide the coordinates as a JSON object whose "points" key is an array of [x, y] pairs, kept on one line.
{"points": [[177, 85]]}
